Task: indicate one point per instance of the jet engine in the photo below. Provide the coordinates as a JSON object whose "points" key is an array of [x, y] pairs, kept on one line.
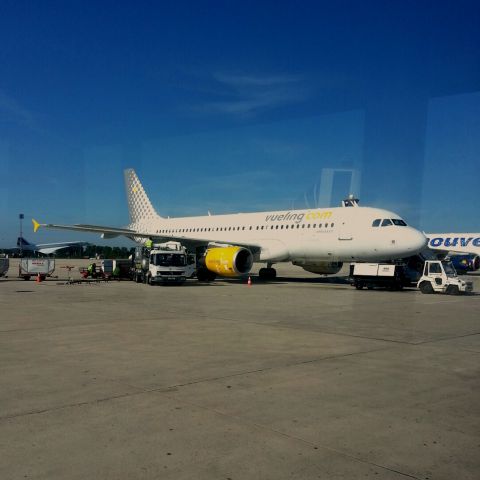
{"points": [[323, 268], [229, 261], [465, 263]]}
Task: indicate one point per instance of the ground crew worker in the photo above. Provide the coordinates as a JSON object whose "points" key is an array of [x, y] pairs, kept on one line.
{"points": [[92, 270], [149, 243], [116, 272]]}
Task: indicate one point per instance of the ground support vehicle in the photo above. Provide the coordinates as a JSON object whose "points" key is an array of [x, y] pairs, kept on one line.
{"points": [[92, 271], [4, 265], [441, 277], [371, 275], [165, 263], [34, 267], [117, 269]]}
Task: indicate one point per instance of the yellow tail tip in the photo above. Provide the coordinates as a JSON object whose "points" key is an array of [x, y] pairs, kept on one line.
{"points": [[36, 225]]}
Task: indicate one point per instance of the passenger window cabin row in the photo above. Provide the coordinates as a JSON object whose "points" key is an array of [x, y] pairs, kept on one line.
{"points": [[258, 227]]}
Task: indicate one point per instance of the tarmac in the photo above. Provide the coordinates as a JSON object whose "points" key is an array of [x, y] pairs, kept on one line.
{"points": [[299, 378]]}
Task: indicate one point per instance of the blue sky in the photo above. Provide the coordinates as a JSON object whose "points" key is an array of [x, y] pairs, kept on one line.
{"points": [[238, 106]]}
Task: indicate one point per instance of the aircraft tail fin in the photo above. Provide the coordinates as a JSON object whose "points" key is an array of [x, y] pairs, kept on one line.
{"points": [[22, 242], [139, 205]]}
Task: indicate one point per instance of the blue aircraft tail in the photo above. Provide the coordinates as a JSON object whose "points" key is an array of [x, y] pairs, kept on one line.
{"points": [[21, 241]]}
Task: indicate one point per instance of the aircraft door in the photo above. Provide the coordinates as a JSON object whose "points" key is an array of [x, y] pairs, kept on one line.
{"points": [[345, 231]]}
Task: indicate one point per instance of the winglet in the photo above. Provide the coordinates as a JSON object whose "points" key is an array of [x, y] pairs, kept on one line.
{"points": [[36, 225]]}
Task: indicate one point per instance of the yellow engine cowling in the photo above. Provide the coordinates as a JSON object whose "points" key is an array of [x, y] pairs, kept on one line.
{"points": [[229, 261]]}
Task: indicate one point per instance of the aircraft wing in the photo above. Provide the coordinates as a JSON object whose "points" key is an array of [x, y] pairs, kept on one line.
{"points": [[110, 232]]}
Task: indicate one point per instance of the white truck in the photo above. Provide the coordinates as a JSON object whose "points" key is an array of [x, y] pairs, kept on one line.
{"points": [[371, 275], [441, 277], [4, 265], [165, 263], [32, 267]]}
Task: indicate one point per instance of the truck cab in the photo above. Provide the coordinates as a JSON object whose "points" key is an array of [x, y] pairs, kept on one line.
{"points": [[441, 277], [165, 263]]}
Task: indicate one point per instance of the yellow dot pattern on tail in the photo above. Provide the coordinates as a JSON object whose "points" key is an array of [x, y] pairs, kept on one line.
{"points": [[139, 205]]}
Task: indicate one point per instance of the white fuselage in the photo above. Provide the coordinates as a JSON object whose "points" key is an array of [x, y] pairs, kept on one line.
{"points": [[462, 243], [332, 234]]}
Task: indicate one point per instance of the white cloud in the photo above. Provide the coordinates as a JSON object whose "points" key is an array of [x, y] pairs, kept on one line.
{"points": [[247, 95]]}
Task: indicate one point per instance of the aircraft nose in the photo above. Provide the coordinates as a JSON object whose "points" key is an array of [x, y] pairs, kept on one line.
{"points": [[417, 241]]}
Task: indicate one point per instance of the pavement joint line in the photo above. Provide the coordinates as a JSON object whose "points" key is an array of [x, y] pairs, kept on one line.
{"points": [[326, 332], [261, 370], [445, 339], [166, 389], [402, 342], [286, 327], [52, 327], [71, 405], [262, 427]]}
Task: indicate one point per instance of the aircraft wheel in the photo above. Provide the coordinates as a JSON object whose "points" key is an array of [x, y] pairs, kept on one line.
{"points": [[211, 276], [426, 287], [202, 274]]}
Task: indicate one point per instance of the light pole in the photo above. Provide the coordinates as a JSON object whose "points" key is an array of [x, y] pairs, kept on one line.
{"points": [[21, 217]]}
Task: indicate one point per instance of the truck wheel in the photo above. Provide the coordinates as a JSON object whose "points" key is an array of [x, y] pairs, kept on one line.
{"points": [[452, 290], [426, 287], [359, 285], [149, 280]]}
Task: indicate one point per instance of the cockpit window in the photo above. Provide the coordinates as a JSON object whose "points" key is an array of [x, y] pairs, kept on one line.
{"points": [[386, 222], [376, 223], [398, 222]]}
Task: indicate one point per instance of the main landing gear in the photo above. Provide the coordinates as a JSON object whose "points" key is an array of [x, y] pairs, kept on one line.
{"points": [[205, 275], [268, 273]]}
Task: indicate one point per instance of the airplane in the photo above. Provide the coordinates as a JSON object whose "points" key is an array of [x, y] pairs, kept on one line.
{"points": [[319, 240], [47, 248], [463, 249]]}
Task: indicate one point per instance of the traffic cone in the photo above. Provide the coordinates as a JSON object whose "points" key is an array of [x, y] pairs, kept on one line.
{"points": [[249, 282], [39, 278]]}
